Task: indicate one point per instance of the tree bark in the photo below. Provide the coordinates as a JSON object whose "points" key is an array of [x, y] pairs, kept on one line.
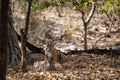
{"points": [[24, 33], [86, 22], [23, 50], [3, 38], [14, 53]]}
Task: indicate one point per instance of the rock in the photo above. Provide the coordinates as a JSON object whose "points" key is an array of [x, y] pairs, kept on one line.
{"points": [[72, 47]]}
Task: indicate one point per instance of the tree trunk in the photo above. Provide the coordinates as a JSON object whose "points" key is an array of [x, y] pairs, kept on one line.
{"points": [[14, 53], [85, 36], [86, 22], [24, 33], [3, 38], [23, 50]]}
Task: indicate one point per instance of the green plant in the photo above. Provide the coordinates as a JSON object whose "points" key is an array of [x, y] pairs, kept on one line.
{"points": [[111, 6]]}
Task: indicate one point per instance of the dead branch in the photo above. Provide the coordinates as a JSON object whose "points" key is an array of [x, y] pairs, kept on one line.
{"points": [[104, 36]]}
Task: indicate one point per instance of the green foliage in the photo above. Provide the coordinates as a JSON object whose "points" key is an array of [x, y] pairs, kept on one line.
{"points": [[81, 4], [110, 6], [22, 3], [23, 6], [40, 4], [59, 2], [37, 4], [43, 4]]}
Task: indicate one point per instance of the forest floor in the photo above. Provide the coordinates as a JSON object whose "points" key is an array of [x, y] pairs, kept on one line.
{"points": [[75, 67]]}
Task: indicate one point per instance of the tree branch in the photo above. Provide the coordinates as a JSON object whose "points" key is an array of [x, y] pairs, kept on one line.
{"points": [[109, 17], [91, 13]]}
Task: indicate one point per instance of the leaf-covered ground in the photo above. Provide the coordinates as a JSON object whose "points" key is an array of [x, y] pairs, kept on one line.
{"points": [[75, 67]]}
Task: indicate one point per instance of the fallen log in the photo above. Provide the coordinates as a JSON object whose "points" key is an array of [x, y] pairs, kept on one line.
{"points": [[110, 51], [31, 46]]}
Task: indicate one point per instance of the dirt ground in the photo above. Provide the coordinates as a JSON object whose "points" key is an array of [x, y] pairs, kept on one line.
{"points": [[75, 67]]}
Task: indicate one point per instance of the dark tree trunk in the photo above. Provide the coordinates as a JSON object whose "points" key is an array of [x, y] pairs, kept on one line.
{"points": [[14, 53], [24, 33], [3, 38], [23, 50]]}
